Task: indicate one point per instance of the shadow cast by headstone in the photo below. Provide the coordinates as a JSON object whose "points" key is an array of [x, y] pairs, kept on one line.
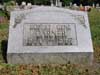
{"points": [[4, 49]]}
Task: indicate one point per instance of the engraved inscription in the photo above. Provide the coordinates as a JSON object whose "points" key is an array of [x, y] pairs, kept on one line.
{"points": [[49, 35]]}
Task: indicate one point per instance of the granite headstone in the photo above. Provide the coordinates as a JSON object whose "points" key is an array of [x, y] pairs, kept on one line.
{"points": [[49, 35]]}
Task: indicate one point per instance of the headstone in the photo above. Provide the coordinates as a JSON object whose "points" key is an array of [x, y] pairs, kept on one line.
{"points": [[93, 5], [75, 7], [59, 36], [82, 7], [17, 7], [70, 4], [52, 4], [97, 5], [58, 3], [1, 6], [23, 5], [29, 6]]}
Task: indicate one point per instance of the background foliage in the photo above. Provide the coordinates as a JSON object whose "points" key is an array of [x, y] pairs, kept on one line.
{"points": [[47, 2]]}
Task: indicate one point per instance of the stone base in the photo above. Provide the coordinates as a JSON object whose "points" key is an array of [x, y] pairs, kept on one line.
{"points": [[50, 58]]}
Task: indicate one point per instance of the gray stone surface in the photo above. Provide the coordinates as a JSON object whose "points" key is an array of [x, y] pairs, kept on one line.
{"points": [[45, 35], [50, 58]]}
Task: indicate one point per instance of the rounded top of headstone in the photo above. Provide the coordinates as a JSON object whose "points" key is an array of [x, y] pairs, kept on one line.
{"points": [[16, 4], [1, 5], [75, 5], [97, 5], [23, 3], [29, 4]]}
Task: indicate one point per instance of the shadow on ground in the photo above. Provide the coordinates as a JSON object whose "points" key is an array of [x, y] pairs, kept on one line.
{"points": [[4, 49]]}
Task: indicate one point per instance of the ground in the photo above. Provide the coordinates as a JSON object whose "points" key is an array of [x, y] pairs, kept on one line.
{"points": [[58, 69]]}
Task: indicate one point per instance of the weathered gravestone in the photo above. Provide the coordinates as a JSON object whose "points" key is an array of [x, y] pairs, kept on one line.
{"points": [[98, 6], [45, 35]]}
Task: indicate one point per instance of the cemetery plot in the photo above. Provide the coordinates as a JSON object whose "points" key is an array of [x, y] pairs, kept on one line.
{"points": [[49, 34]]}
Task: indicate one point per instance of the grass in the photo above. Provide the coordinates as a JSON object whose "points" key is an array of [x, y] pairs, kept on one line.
{"points": [[4, 26], [67, 69], [2, 14], [94, 17]]}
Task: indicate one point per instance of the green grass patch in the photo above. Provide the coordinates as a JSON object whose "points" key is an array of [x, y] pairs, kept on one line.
{"points": [[2, 13], [4, 26], [94, 18]]}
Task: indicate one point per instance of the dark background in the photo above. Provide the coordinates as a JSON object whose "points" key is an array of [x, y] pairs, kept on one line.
{"points": [[47, 2]]}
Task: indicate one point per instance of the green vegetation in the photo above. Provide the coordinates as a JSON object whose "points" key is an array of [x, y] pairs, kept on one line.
{"points": [[4, 26], [2, 14], [94, 17], [67, 69]]}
